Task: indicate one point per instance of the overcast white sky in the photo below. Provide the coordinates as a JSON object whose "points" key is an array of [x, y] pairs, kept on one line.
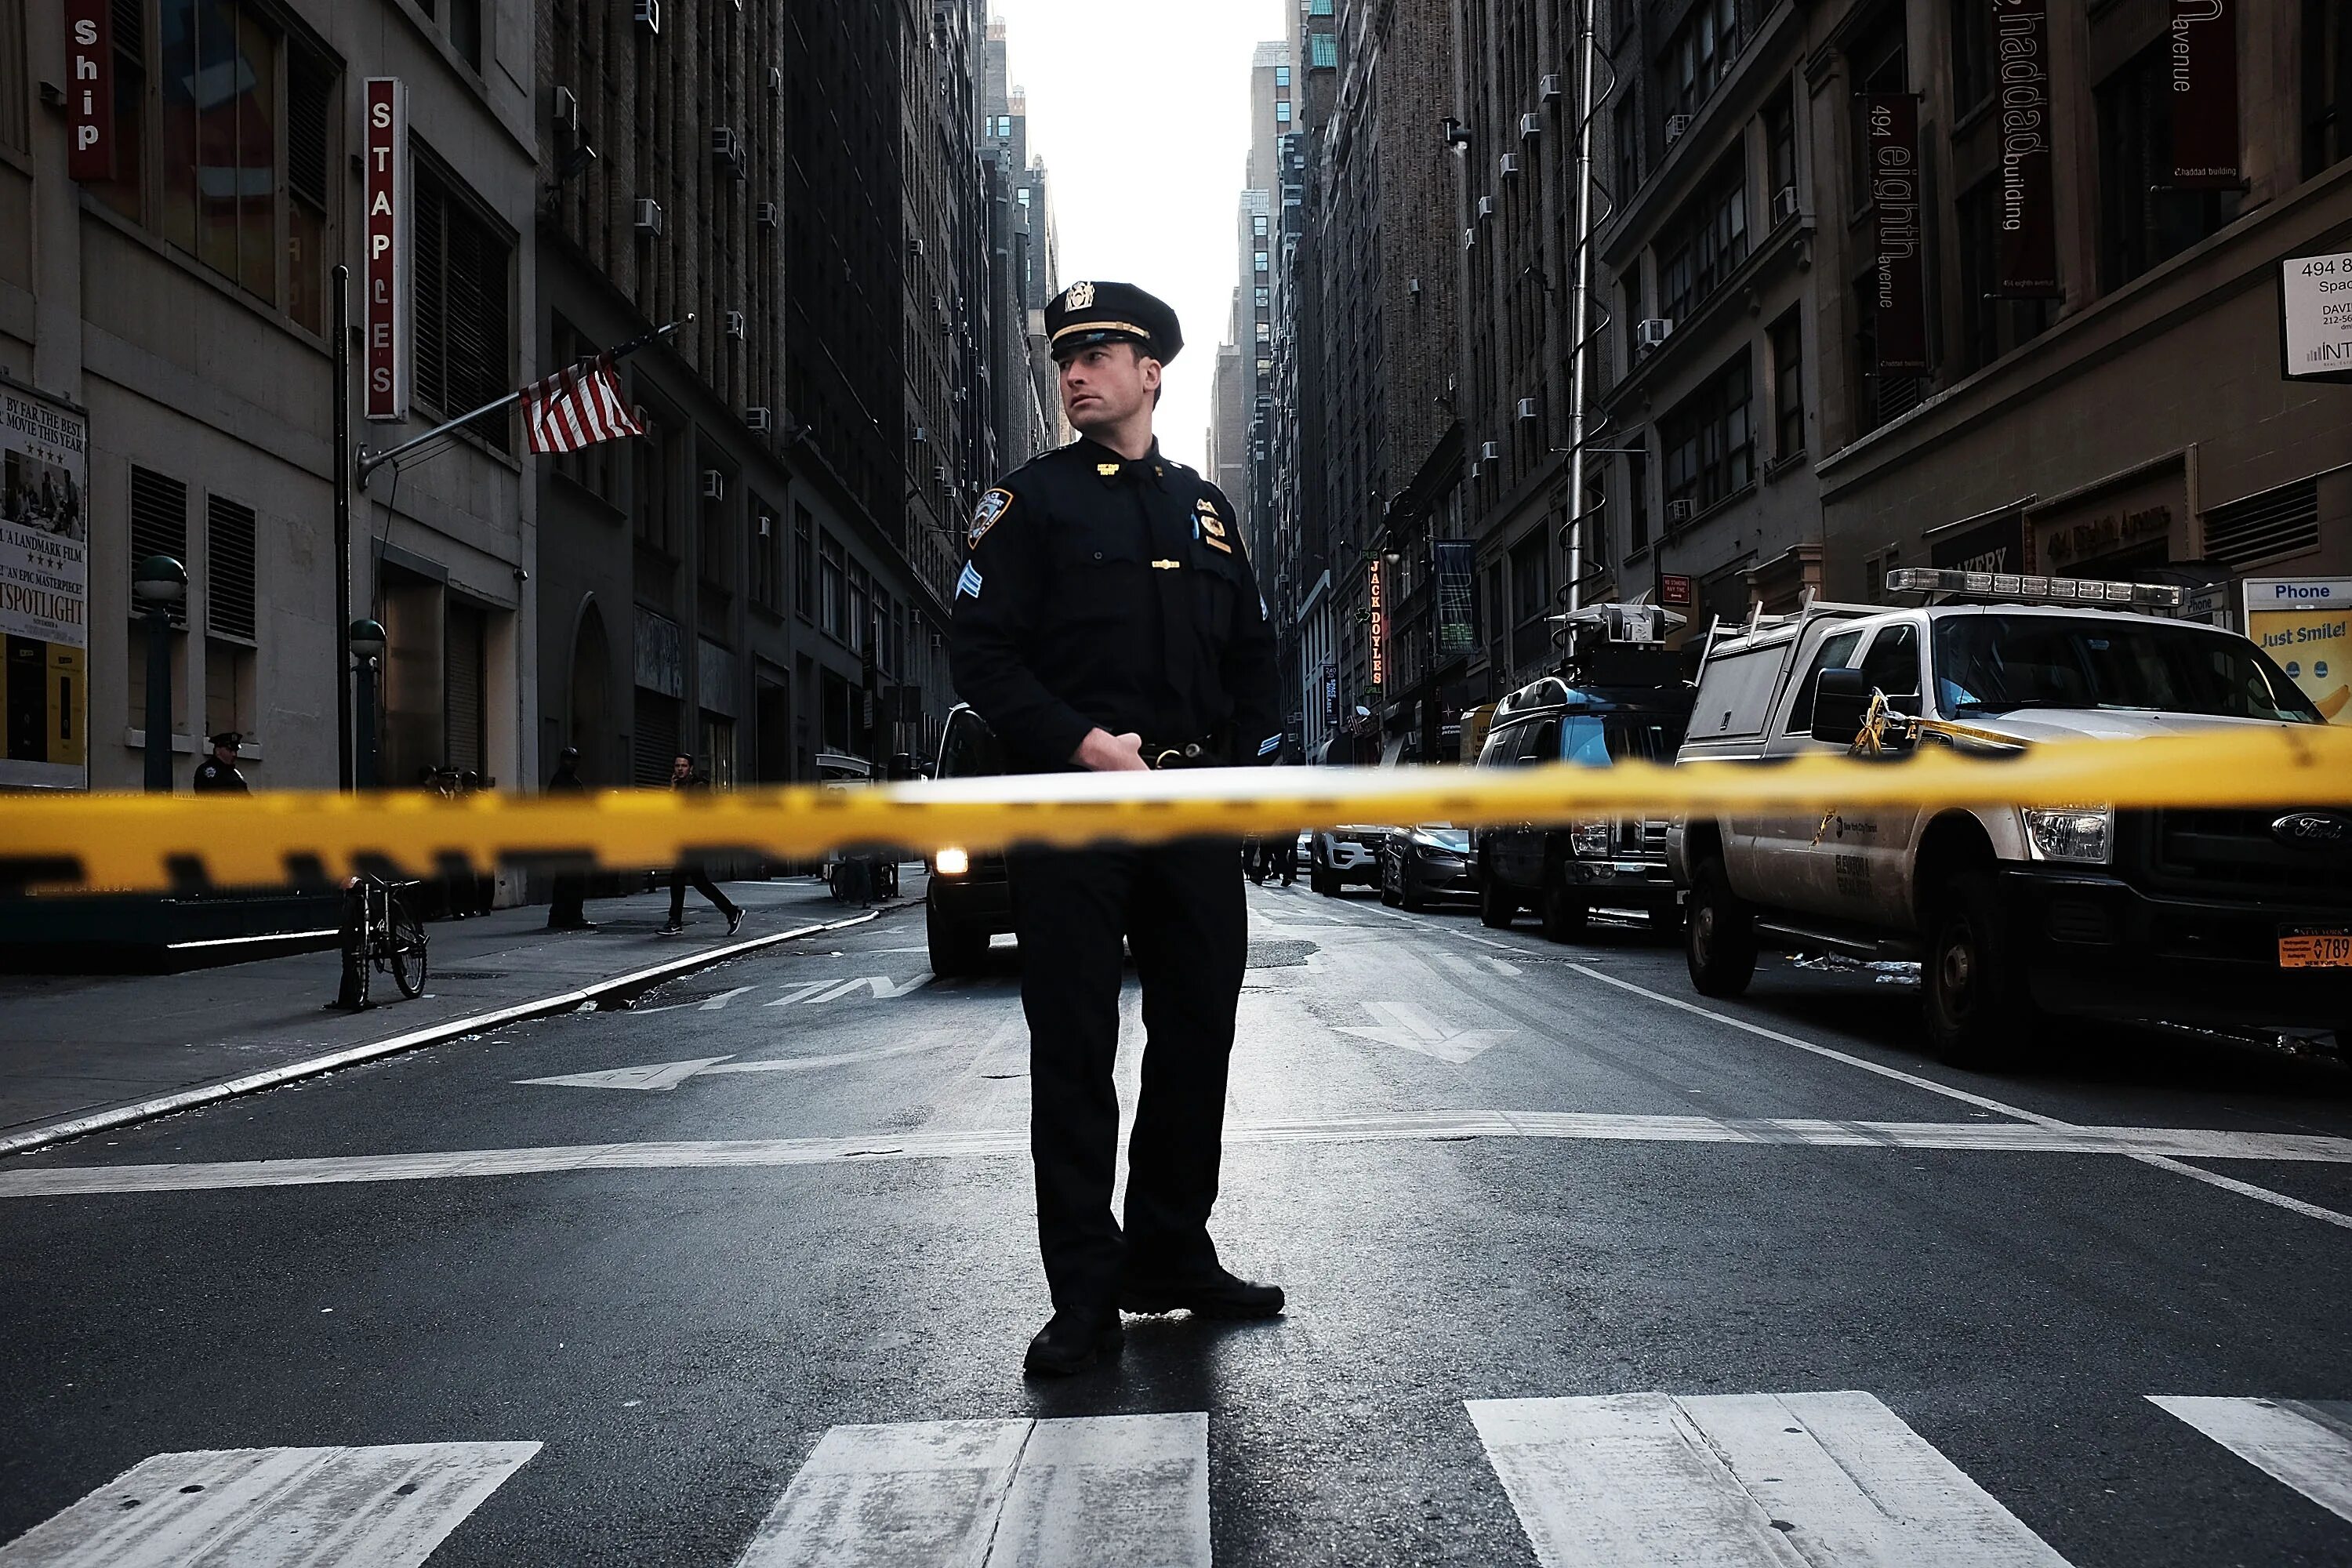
{"points": [[1140, 110]]}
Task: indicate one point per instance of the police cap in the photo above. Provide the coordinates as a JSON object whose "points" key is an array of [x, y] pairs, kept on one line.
{"points": [[1085, 315], [228, 738]]}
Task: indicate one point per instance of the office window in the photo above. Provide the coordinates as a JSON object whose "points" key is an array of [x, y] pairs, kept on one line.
{"points": [[1323, 49], [1788, 388], [1633, 309], [1282, 112], [1637, 500], [1780, 149], [861, 601], [1265, 331], [1318, 7], [462, 20], [1883, 398], [657, 457], [1709, 240], [2142, 225], [159, 525], [1972, 56], [16, 81], [767, 558], [803, 564], [832, 613], [1990, 327], [714, 554], [2326, 84], [464, 345], [1531, 604], [1263, 297], [1627, 132], [1710, 441], [1282, 76], [1258, 260], [1700, 55], [1257, 224], [228, 568]]}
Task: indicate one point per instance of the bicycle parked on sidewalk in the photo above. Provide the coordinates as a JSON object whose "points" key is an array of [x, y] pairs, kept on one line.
{"points": [[382, 930]]}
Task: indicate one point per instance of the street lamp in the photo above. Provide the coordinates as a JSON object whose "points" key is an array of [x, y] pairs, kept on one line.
{"points": [[366, 640], [160, 585]]}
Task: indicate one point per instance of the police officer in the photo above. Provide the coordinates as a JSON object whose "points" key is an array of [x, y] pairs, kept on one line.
{"points": [[1108, 620], [217, 774], [568, 910]]}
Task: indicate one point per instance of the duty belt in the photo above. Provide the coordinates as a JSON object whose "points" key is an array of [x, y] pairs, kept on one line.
{"points": [[1190, 755]]}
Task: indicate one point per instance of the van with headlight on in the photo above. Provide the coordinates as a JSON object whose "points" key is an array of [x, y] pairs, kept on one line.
{"points": [[969, 898], [2217, 917]]}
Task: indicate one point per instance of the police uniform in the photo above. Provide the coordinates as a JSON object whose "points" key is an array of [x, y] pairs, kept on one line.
{"points": [[1110, 593], [216, 777]]}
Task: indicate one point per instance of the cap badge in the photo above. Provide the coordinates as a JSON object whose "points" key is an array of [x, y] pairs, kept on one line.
{"points": [[1079, 297]]}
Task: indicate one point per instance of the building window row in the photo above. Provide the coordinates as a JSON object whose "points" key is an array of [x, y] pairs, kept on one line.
{"points": [[1709, 242], [1700, 55], [1710, 439]]}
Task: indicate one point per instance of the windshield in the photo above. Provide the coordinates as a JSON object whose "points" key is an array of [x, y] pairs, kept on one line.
{"points": [[1445, 834], [1598, 739], [1994, 664]]}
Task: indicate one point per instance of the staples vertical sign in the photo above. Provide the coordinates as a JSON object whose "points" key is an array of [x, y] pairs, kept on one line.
{"points": [[385, 144], [1891, 128], [89, 102], [2203, 61], [2029, 230]]}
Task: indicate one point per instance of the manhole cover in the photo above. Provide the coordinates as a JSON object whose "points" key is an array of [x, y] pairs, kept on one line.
{"points": [[1279, 954]]}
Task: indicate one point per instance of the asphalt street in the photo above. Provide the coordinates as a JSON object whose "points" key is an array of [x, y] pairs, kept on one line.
{"points": [[1582, 1268]]}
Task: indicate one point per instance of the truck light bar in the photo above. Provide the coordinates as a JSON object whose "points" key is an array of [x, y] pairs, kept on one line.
{"points": [[2035, 590]]}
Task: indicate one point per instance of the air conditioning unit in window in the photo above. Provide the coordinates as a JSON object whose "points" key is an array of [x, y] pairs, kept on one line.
{"points": [[649, 216], [649, 15], [727, 148], [1485, 207], [1527, 407], [1490, 451], [735, 325], [775, 78], [939, 474], [1680, 512], [1547, 89], [1469, 239], [1651, 333], [765, 215], [1530, 127], [767, 523], [922, 437], [1784, 204], [1510, 164], [759, 421], [567, 110], [1676, 125], [1474, 473], [714, 485]]}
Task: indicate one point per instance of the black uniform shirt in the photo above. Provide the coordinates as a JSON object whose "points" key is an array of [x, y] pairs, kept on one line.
{"points": [[213, 776], [1105, 592]]}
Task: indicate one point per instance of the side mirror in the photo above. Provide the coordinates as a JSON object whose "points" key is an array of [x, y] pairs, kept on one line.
{"points": [[1840, 703]]}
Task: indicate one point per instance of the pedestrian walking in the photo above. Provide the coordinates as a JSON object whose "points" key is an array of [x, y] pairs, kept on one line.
{"points": [[685, 778], [568, 910], [218, 773], [1108, 620]]}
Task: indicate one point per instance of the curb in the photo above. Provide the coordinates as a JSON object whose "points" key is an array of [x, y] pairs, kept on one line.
{"points": [[351, 1056]]}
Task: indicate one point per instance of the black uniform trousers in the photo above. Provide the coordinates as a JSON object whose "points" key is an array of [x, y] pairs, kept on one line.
{"points": [[1179, 908]]}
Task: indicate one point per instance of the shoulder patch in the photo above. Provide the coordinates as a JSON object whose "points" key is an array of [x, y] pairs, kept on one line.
{"points": [[968, 582], [986, 516]]}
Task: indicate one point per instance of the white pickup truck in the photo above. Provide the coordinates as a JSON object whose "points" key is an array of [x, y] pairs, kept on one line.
{"points": [[2216, 916]]}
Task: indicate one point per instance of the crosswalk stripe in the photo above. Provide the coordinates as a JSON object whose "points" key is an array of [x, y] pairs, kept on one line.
{"points": [[383, 1507], [1778, 1479], [997, 1494], [2308, 1445]]}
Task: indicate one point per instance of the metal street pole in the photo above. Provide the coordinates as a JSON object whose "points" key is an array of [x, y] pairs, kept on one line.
{"points": [[341, 459], [1580, 309], [365, 774]]}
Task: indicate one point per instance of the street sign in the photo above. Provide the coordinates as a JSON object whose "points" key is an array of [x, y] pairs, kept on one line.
{"points": [[2315, 317], [1673, 588], [385, 232]]}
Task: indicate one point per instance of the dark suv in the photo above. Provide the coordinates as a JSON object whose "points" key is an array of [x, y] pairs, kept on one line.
{"points": [[970, 899], [1563, 873]]}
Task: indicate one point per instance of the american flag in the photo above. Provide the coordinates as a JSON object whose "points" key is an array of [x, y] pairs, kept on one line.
{"points": [[577, 406]]}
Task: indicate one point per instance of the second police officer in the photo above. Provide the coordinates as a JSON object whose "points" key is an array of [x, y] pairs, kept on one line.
{"points": [[1107, 620]]}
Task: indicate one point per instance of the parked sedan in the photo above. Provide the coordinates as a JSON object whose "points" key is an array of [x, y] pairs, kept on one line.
{"points": [[1420, 865]]}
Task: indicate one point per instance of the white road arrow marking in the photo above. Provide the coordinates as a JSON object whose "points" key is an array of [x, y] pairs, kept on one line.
{"points": [[800, 993], [650, 1075], [1503, 966], [1407, 1027], [881, 986]]}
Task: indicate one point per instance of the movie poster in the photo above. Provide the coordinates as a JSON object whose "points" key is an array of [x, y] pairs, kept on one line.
{"points": [[44, 591]]}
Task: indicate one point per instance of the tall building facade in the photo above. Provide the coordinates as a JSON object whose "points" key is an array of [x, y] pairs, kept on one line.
{"points": [[1023, 263]]}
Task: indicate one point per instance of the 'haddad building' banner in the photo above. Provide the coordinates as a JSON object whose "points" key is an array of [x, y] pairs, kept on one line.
{"points": [[2029, 227], [44, 591], [1891, 124]]}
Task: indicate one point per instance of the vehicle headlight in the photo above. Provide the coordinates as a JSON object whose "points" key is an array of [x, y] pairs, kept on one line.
{"points": [[2083, 834], [1591, 840], [950, 862]]}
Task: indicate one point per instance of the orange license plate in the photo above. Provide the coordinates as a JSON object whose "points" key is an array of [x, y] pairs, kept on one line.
{"points": [[2303, 948]]}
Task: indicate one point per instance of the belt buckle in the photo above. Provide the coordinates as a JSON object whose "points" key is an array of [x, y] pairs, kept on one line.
{"points": [[1177, 757]]}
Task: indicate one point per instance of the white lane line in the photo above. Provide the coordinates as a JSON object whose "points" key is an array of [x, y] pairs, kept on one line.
{"points": [[2306, 1446], [1998, 1107], [1391, 1127], [1775, 1480], [997, 1494], [384, 1507], [663, 1077]]}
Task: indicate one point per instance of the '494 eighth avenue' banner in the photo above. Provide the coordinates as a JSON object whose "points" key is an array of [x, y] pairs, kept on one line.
{"points": [[45, 590]]}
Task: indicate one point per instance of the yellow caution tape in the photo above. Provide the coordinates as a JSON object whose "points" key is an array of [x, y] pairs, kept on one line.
{"points": [[135, 842]]}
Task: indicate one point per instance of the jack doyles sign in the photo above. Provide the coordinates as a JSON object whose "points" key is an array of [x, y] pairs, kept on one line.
{"points": [[384, 148], [2315, 317], [44, 591], [2301, 622]]}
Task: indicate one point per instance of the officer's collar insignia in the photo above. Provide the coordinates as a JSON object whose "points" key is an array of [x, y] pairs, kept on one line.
{"points": [[992, 507], [1079, 297], [1107, 470], [1168, 565]]}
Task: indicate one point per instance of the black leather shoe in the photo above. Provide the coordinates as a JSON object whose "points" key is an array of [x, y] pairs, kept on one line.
{"points": [[1216, 1294], [1072, 1342]]}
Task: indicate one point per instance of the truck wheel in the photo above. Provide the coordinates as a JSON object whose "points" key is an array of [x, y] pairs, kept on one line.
{"points": [[1495, 907], [1564, 914], [1410, 898], [956, 951], [1324, 882], [1720, 941], [1980, 1013]]}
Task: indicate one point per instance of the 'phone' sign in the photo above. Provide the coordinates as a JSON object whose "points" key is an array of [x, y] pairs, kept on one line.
{"points": [[385, 144]]}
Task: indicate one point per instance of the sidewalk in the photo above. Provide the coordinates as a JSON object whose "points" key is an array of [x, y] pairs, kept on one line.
{"points": [[77, 1046]]}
